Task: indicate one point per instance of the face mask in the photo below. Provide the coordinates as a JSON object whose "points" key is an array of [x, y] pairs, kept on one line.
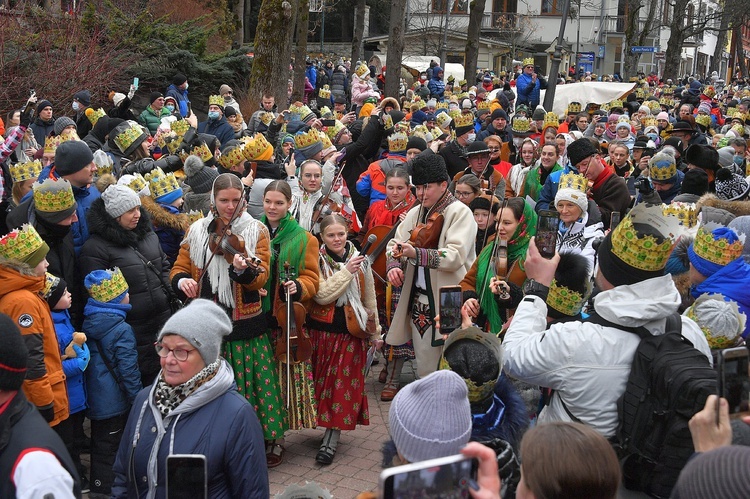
{"points": [[76, 106], [186, 85], [213, 115], [170, 107], [653, 136], [739, 160], [471, 138]]}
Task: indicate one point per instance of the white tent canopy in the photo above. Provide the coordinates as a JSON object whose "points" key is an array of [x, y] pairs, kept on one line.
{"points": [[586, 92]]}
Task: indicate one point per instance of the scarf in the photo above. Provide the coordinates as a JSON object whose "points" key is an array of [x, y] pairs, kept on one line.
{"points": [[532, 187], [517, 247], [389, 215], [291, 240], [603, 176], [303, 206], [329, 265], [167, 397]]}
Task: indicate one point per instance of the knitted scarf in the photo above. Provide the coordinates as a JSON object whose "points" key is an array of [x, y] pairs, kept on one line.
{"points": [[167, 397], [353, 294], [533, 185], [517, 246], [291, 240]]}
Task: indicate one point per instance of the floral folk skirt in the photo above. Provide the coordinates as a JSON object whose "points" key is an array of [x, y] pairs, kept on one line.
{"points": [[302, 409]]}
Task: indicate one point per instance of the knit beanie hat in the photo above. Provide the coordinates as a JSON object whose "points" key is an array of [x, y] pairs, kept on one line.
{"points": [[62, 123], [428, 168], [440, 397], [662, 167], [229, 111], [704, 107], [54, 287], [416, 143], [225, 89], [695, 182], [726, 156], [198, 176], [741, 225], [117, 98], [203, 324], [136, 182], [83, 96], [153, 96], [730, 186], [579, 150], [42, 104], [623, 124], [484, 203], [718, 473], [13, 356], [119, 199], [719, 318], [72, 156], [106, 286], [662, 116], [709, 253], [573, 196], [366, 109], [179, 79]]}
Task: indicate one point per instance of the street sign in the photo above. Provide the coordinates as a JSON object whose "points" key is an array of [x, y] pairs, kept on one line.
{"points": [[643, 50], [601, 51]]}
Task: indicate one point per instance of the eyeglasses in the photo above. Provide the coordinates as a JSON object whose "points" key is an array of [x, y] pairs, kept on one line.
{"points": [[581, 168], [179, 353], [494, 149], [464, 194]]}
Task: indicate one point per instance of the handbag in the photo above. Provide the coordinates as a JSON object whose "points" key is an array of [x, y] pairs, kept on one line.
{"points": [[175, 303], [352, 324]]}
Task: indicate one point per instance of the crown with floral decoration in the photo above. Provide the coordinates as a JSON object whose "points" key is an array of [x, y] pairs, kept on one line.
{"points": [[334, 131], [397, 142], [21, 172], [709, 91], [718, 251], [615, 103], [362, 70], [233, 156], [703, 119], [325, 113], [443, 120], [266, 118], [53, 196], [738, 129], [654, 106], [420, 131], [454, 113], [645, 252], [325, 92], [441, 105], [737, 115], [640, 94], [216, 100], [202, 151], [138, 183], [307, 139], [172, 141], [649, 121], [160, 183], [94, 115], [551, 119], [668, 90], [565, 300], [254, 147], [180, 127], [573, 181], [129, 135], [463, 120], [528, 61], [109, 288], [520, 124], [50, 283], [51, 143], [194, 215], [605, 106], [686, 213], [484, 105], [402, 127], [624, 119], [325, 140], [718, 340], [666, 101], [20, 244], [574, 107]]}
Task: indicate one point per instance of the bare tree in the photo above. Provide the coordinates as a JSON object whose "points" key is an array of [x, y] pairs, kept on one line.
{"points": [[429, 25], [472, 37], [300, 51], [515, 30], [734, 16], [395, 46], [684, 26], [359, 28], [637, 29], [238, 9]]}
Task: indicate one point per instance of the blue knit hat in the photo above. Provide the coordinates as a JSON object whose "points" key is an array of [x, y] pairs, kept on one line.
{"points": [[106, 286], [705, 266]]}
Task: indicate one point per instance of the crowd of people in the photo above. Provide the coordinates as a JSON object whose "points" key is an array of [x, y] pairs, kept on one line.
{"points": [[204, 287]]}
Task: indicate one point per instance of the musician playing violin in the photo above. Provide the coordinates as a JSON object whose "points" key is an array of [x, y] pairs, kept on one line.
{"points": [[423, 270], [478, 157], [236, 287]]}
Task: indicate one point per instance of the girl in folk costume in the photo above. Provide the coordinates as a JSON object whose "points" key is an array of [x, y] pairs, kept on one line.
{"points": [[293, 244], [487, 298], [307, 191], [339, 357], [200, 272]]}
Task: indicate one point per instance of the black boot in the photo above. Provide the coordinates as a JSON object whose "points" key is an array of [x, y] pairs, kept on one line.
{"points": [[328, 446]]}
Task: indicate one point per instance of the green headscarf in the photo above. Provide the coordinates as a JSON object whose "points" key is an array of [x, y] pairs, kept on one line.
{"points": [[532, 186], [292, 240]]}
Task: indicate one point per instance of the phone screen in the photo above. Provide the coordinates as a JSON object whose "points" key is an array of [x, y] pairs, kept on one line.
{"points": [[614, 220], [328, 122], [734, 380], [451, 300], [186, 477], [546, 232], [447, 480]]}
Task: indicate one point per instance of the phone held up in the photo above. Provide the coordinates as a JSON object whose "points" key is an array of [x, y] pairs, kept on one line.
{"points": [[451, 299], [442, 477], [187, 476], [546, 233], [733, 366]]}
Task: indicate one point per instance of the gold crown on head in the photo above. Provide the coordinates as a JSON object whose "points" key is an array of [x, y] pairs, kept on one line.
{"points": [[233, 156], [94, 114], [325, 140], [21, 172], [402, 127], [160, 183], [21, 243], [325, 92], [640, 93], [454, 113], [202, 151], [51, 144], [334, 131], [485, 104], [216, 100], [362, 70], [440, 105], [623, 119], [529, 61], [654, 106], [521, 124], [718, 251], [50, 282], [387, 121], [649, 121], [442, 120], [52, 196], [180, 127], [138, 183], [662, 167], [686, 213], [172, 141], [397, 142], [573, 181], [717, 339], [645, 252], [709, 92], [615, 103], [565, 300], [463, 120], [738, 129], [303, 111], [127, 137], [111, 288], [551, 119], [703, 119], [194, 215], [574, 107], [666, 101], [326, 113], [254, 147], [307, 139]]}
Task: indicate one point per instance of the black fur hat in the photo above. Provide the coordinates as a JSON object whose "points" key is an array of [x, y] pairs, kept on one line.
{"points": [[572, 273], [429, 168], [704, 157]]}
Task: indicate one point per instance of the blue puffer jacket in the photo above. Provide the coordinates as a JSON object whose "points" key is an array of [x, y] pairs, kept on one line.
{"points": [[105, 325], [214, 421], [181, 96], [220, 128], [528, 92], [74, 379], [436, 85]]}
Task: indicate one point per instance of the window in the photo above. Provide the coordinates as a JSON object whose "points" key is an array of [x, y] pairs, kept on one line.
{"points": [[457, 6], [552, 7], [505, 6]]}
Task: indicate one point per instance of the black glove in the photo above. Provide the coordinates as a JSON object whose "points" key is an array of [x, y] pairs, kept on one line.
{"points": [[643, 186], [169, 163], [27, 116], [47, 412]]}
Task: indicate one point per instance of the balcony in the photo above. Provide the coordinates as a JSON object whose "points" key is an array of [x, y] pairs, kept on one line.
{"points": [[500, 21], [614, 24]]}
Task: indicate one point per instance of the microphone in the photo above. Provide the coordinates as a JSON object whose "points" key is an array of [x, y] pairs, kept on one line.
{"points": [[370, 240]]}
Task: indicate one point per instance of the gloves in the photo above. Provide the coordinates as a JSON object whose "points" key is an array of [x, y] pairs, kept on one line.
{"points": [[82, 356], [26, 117], [47, 412]]}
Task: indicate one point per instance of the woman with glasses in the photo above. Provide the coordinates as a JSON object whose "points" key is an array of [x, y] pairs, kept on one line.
{"points": [[192, 408], [468, 187]]}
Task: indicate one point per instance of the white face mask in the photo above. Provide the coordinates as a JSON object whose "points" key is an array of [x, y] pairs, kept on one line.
{"points": [[471, 138], [76, 106], [186, 85]]}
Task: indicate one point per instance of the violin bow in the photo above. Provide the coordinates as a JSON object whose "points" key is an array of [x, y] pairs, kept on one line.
{"points": [[322, 202], [493, 256]]}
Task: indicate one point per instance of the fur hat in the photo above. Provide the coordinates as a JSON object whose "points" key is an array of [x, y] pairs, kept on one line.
{"points": [[477, 357], [198, 176], [703, 157], [119, 199], [694, 182], [428, 168], [203, 324], [13, 356], [579, 150]]}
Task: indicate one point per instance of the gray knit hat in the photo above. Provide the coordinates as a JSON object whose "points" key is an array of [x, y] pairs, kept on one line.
{"points": [[72, 156], [431, 417], [198, 176], [741, 225], [203, 324], [62, 123], [718, 473], [119, 199]]}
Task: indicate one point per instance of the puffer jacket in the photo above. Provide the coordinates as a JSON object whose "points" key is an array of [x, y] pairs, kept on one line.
{"points": [[151, 118], [436, 85], [169, 224], [20, 300], [110, 246], [74, 381], [339, 84], [42, 128], [105, 327], [220, 128], [234, 449]]}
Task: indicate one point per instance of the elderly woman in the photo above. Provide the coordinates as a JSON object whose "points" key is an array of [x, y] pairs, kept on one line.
{"points": [[580, 220], [193, 407]]}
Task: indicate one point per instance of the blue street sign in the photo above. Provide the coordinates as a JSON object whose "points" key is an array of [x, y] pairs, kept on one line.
{"points": [[643, 50]]}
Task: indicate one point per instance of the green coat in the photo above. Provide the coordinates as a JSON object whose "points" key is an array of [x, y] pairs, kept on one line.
{"points": [[151, 120]]}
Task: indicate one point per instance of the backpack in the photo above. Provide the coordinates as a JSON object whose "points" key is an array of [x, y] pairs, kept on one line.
{"points": [[669, 382]]}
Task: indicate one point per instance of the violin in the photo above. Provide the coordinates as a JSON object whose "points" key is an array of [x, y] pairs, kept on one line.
{"points": [[223, 242], [291, 317], [427, 235]]}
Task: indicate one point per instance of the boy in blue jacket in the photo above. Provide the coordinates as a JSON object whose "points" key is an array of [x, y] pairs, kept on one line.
{"points": [[112, 378]]}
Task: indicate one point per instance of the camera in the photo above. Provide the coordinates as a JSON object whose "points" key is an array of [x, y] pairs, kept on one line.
{"points": [[643, 186]]}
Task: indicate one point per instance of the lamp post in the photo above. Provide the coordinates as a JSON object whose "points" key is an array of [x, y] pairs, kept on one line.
{"points": [[549, 96]]}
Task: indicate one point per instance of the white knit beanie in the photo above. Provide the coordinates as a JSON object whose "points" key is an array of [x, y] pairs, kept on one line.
{"points": [[574, 196], [119, 199]]}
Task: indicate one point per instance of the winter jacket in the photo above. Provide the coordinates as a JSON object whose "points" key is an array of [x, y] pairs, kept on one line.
{"points": [[42, 129], [505, 135], [610, 193], [74, 380], [361, 90], [181, 96], [528, 91], [151, 118], [436, 85], [20, 299], [581, 235], [549, 189], [455, 158], [586, 364], [372, 181], [312, 75], [169, 224], [111, 245], [234, 449], [339, 84], [108, 334], [196, 202], [220, 128], [254, 124], [83, 123]]}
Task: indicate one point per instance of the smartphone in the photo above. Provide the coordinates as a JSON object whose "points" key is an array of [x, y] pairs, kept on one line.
{"points": [[546, 232], [285, 114], [136, 82], [328, 122], [187, 476], [442, 477], [614, 219], [451, 300], [733, 365], [32, 92]]}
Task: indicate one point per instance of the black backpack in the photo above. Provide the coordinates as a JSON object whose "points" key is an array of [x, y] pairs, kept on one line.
{"points": [[669, 382]]}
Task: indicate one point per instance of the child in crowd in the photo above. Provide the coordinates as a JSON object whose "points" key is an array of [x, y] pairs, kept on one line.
{"points": [[166, 213]]}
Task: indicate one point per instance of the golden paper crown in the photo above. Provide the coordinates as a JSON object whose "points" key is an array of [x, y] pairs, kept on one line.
{"points": [[402, 127], [302, 111], [462, 82], [623, 119], [573, 181], [574, 108], [605, 106], [194, 216], [686, 213], [160, 183], [202, 151], [645, 252], [94, 115], [717, 340], [529, 61], [267, 118], [738, 129], [551, 119], [19, 244], [709, 92], [50, 283], [440, 105], [234, 156], [463, 120], [255, 147], [665, 101], [703, 119], [109, 289], [718, 251], [21, 172], [334, 131], [180, 127], [53, 196], [302, 140], [397, 142], [325, 140], [564, 300], [477, 392], [615, 103], [51, 143], [484, 105], [172, 141], [737, 115], [362, 70], [442, 120], [640, 93], [454, 113], [325, 92], [520, 124], [387, 121], [216, 100], [654, 106], [420, 131], [138, 183], [649, 121], [127, 137], [326, 113]]}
